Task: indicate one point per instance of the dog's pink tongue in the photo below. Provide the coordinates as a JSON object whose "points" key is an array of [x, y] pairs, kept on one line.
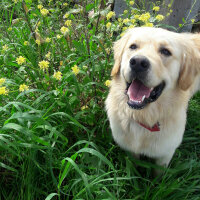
{"points": [[137, 90]]}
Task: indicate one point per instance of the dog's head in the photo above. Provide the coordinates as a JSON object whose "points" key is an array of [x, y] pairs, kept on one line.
{"points": [[152, 61]]}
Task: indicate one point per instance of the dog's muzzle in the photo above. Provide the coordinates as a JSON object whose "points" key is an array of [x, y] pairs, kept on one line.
{"points": [[139, 94]]}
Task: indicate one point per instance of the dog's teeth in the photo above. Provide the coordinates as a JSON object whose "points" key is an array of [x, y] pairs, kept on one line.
{"points": [[143, 98]]}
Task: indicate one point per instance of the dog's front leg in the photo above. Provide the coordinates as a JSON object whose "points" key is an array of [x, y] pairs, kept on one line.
{"points": [[163, 161]]}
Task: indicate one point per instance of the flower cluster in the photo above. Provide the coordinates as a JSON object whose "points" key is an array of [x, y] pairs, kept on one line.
{"points": [[3, 91], [108, 83], [160, 17], [23, 88], [64, 30], [68, 23], [145, 17], [75, 69], [44, 65], [20, 60], [44, 12], [48, 55], [5, 47], [57, 75], [110, 15], [2, 81], [156, 8]]}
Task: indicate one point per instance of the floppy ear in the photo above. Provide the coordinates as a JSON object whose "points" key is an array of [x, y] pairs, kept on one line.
{"points": [[191, 62], [118, 51]]}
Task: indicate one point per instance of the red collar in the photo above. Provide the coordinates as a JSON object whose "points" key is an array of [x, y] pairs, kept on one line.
{"points": [[155, 128]]}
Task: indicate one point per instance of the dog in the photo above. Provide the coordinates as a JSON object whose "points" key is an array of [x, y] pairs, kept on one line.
{"points": [[155, 74]]}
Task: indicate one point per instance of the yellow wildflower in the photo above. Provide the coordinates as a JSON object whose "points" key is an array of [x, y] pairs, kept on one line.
{"points": [[3, 91], [75, 69], [131, 26], [68, 23], [15, 1], [44, 65], [84, 107], [26, 43], [148, 24], [2, 81], [144, 17], [124, 28], [10, 29], [48, 40], [125, 11], [169, 5], [171, 11], [44, 12], [110, 15], [156, 8], [131, 3], [125, 21], [119, 19], [133, 21], [20, 60], [107, 83], [64, 30], [66, 16], [57, 75], [61, 63], [136, 16], [160, 17], [193, 20], [122, 34], [48, 55], [23, 88], [108, 25], [40, 6], [58, 36], [38, 42], [65, 4], [5, 47]]}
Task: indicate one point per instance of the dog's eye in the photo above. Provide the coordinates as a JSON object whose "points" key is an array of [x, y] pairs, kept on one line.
{"points": [[165, 52], [133, 46]]}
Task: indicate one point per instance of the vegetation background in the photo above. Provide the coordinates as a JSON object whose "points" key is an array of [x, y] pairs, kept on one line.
{"points": [[55, 141]]}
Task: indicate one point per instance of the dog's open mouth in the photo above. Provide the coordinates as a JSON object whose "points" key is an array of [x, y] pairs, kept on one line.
{"points": [[140, 95]]}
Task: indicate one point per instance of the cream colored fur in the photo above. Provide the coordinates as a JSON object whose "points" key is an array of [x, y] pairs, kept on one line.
{"points": [[181, 74]]}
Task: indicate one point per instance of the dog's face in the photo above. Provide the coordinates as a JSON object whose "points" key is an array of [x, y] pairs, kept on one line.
{"points": [[152, 61]]}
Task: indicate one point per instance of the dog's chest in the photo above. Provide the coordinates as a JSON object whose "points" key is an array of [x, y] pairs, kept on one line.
{"points": [[138, 139]]}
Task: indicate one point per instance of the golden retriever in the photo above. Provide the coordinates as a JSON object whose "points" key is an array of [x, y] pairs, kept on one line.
{"points": [[155, 73]]}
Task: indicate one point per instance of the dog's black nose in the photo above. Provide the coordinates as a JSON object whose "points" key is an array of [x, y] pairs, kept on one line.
{"points": [[139, 64]]}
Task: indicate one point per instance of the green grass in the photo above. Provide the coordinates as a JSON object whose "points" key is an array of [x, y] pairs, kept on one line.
{"points": [[55, 140]]}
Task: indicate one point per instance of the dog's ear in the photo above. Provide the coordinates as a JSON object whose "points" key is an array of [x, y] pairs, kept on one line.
{"points": [[190, 62], [118, 51]]}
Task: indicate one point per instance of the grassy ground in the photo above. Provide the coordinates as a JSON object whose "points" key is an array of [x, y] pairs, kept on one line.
{"points": [[55, 141]]}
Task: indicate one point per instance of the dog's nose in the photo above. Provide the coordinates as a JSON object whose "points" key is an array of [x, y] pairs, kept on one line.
{"points": [[139, 64]]}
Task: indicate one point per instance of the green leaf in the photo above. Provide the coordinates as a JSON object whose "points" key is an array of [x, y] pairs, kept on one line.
{"points": [[97, 154], [50, 196], [7, 167], [89, 7]]}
